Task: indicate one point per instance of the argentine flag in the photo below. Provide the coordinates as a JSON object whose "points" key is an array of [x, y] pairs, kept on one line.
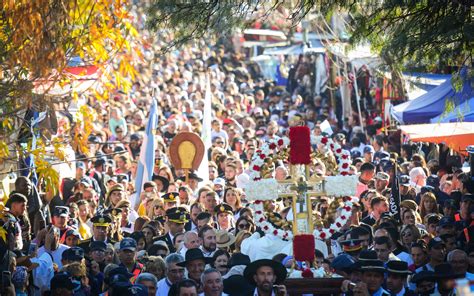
{"points": [[146, 162]]}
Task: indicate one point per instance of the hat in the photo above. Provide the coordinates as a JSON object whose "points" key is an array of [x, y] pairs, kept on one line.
{"points": [[382, 176], [382, 155], [86, 181], [238, 259], [170, 197], [80, 165], [351, 245], [278, 269], [128, 243], [355, 154], [120, 273], [446, 222], [224, 239], [127, 288], [223, 208], [135, 137], [192, 175], [72, 232], [372, 265], [20, 275], [164, 181], [101, 220], [404, 180], [398, 267], [62, 280], [433, 181], [367, 256], [178, 215], [113, 212], [194, 254], [424, 275], [98, 246], [219, 181], [343, 262], [409, 204], [369, 149], [61, 211], [116, 187], [73, 254], [445, 271], [433, 218], [435, 242]]}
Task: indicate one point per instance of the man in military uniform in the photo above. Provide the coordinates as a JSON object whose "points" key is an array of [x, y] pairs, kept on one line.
{"points": [[223, 211], [397, 278], [373, 272], [175, 219], [100, 229], [170, 199]]}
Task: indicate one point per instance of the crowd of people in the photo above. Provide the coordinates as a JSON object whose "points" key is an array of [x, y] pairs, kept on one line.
{"points": [[98, 236]]}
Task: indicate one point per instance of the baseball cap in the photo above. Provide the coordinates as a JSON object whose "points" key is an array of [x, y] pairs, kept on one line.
{"points": [[61, 211], [128, 244], [404, 180], [435, 242], [219, 181], [446, 222], [343, 262], [62, 280], [73, 254], [433, 181], [382, 176], [369, 149]]}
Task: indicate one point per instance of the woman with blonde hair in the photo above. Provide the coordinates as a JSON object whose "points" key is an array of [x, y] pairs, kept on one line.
{"points": [[243, 234], [409, 234], [428, 204], [155, 208]]}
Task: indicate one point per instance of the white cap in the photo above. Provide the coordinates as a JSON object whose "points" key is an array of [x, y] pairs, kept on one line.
{"points": [[219, 181]]}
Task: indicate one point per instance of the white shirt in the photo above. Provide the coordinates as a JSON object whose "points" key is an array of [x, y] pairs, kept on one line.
{"points": [[163, 287], [255, 292], [42, 274], [57, 254]]}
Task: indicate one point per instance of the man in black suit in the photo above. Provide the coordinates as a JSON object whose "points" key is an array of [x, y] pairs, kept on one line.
{"points": [[176, 218]]}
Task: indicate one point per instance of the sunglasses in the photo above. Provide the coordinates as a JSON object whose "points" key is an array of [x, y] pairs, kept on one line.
{"points": [[244, 226]]}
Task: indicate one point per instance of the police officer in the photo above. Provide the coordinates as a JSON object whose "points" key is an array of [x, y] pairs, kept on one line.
{"points": [[100, 228], [176, 218]]}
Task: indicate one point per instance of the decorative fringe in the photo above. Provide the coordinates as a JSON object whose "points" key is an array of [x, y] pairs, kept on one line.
{"points": [[300, 145]]}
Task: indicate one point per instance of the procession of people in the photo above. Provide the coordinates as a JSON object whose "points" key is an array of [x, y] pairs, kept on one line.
{"points": [[192, 232]]}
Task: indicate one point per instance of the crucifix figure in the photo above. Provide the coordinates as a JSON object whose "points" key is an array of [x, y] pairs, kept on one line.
{"points": [[302, 188]]}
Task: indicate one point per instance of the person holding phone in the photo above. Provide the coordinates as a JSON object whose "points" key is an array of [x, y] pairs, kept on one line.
{"points": [[268, 277]]}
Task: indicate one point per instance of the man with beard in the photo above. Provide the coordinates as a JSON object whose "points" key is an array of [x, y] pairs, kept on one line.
{"points": [[52, 245], [230, 172], [195, 263], [212, 283], [267, 275], [207, 235], [35, 212], [381, 181]]}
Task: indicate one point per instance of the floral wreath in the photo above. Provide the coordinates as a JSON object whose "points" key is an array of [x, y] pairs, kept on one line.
{"points": [[279, 146]]}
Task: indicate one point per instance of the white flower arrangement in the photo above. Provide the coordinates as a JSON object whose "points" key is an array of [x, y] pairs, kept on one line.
{"points": [[264, 189], [341, 185]]}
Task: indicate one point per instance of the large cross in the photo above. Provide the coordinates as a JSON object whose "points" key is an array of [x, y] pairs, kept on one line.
{"points": [[301, 188]]}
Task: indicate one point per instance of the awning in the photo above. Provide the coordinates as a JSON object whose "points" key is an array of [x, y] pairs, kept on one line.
{"points": [[456, 135], [79, 78], [463, 112], [295, 49]]}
